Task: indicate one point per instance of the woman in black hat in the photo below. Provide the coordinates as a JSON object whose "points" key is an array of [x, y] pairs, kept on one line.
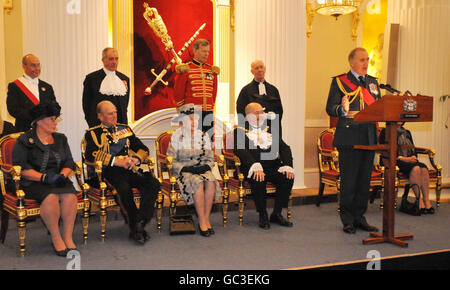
{"points": [[46, 162]]}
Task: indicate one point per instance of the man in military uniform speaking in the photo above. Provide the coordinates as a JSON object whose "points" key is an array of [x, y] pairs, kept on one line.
{"points": [[196, 83], [119, 150], [349, 94]]}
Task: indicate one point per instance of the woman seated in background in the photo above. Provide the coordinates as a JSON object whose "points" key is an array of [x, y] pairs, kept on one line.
{"points": [[409, 165], [193, 161], [46, 162]]}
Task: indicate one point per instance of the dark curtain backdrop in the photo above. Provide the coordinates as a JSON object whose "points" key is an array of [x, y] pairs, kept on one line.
{"points": [[182, 19]]}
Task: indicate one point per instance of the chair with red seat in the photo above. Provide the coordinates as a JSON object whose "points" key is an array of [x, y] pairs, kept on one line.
{"points": [[328, 159], [237, 183], [169, 185], [14, 201], [105, 196], [435, 175], [328, 162]]}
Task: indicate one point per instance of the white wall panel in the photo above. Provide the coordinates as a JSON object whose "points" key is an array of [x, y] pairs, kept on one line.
{"points": [[3, 110], [274, 31], [69, 46], [424, 66]]}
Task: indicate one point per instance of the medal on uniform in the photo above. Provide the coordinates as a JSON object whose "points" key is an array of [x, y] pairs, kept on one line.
{"points": [[115, 137], [373, 89]]}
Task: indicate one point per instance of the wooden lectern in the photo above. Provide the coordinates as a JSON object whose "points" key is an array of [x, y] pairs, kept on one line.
{"points": [[393, 109]]}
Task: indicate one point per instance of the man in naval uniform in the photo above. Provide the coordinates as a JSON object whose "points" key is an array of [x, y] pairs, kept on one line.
{"points": [[260, 91], [120, 151], [26, 92], [106, 84], [349, 94], [264, 158], [196, 83]]}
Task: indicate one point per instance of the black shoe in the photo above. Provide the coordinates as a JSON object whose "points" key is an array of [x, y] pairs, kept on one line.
{"points": [[140, 228], [349, 229], [138, 234], [279, 219], [429, 210], [62, 253], [264, 220], [204, 233], [211, 231], [138, 237], [366, 227]]}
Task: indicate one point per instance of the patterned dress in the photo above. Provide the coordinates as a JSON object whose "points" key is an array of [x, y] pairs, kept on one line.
{"points": [[193, 150]]}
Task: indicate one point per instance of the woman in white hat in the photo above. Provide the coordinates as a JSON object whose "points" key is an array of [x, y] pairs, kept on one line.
{"points": [[193, 161]]}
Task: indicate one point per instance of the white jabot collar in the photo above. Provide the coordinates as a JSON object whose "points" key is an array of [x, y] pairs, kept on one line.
{"points": [[112, 84]]}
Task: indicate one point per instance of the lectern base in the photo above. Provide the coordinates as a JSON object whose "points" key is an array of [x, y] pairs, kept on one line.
{"points": [[379, 238]]}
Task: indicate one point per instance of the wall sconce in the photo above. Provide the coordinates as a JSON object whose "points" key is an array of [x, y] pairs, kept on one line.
{"points": [[8, 5]]}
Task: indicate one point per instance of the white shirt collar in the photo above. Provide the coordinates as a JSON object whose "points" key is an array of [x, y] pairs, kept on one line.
{"points": [[109, 72], [33, 81], [357, 75]]}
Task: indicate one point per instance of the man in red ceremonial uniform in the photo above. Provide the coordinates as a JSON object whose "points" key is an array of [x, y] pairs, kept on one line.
{"points": [[26, 92], [349, 94], [196, 83]]}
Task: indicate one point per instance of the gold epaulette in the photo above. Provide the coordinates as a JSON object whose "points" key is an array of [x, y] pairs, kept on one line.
{"points": [[93, 128], [338, 75], [182, 68], [215, 70]]}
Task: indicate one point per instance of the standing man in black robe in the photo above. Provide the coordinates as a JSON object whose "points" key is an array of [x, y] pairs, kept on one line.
{"points": [[106, 84], [262, 92]]}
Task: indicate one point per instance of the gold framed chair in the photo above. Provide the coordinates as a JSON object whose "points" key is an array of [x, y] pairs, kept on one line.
{"points": [[102, 194], [327, 157], [435, 175], [14, 202], [237, 183], [329, 174], [169, 185]]}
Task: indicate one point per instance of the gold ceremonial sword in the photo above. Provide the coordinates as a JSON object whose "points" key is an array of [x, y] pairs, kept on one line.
{"points": [[159, 78]]}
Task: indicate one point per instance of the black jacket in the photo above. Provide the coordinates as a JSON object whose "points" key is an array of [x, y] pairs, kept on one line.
{"points": [[8, 128], [249, 154], [19, 105], [250, 93], [94, 151], [348, 132], [92, 96], [30, 153]]}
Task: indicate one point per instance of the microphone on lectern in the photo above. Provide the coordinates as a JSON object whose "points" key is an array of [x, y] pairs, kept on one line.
{"points": [[388, 88]]}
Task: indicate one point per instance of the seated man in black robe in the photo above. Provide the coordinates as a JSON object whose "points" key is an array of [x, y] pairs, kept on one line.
{"points": [[264, 157]]}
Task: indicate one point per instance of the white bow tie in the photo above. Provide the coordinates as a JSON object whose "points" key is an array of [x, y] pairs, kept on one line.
{"points": [[262, 88]]}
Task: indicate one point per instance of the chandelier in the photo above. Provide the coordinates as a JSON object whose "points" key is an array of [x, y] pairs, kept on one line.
{"points": [[336, 8]]}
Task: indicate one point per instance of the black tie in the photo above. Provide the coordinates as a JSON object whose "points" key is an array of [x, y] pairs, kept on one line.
{"points": [[361, 80]]}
